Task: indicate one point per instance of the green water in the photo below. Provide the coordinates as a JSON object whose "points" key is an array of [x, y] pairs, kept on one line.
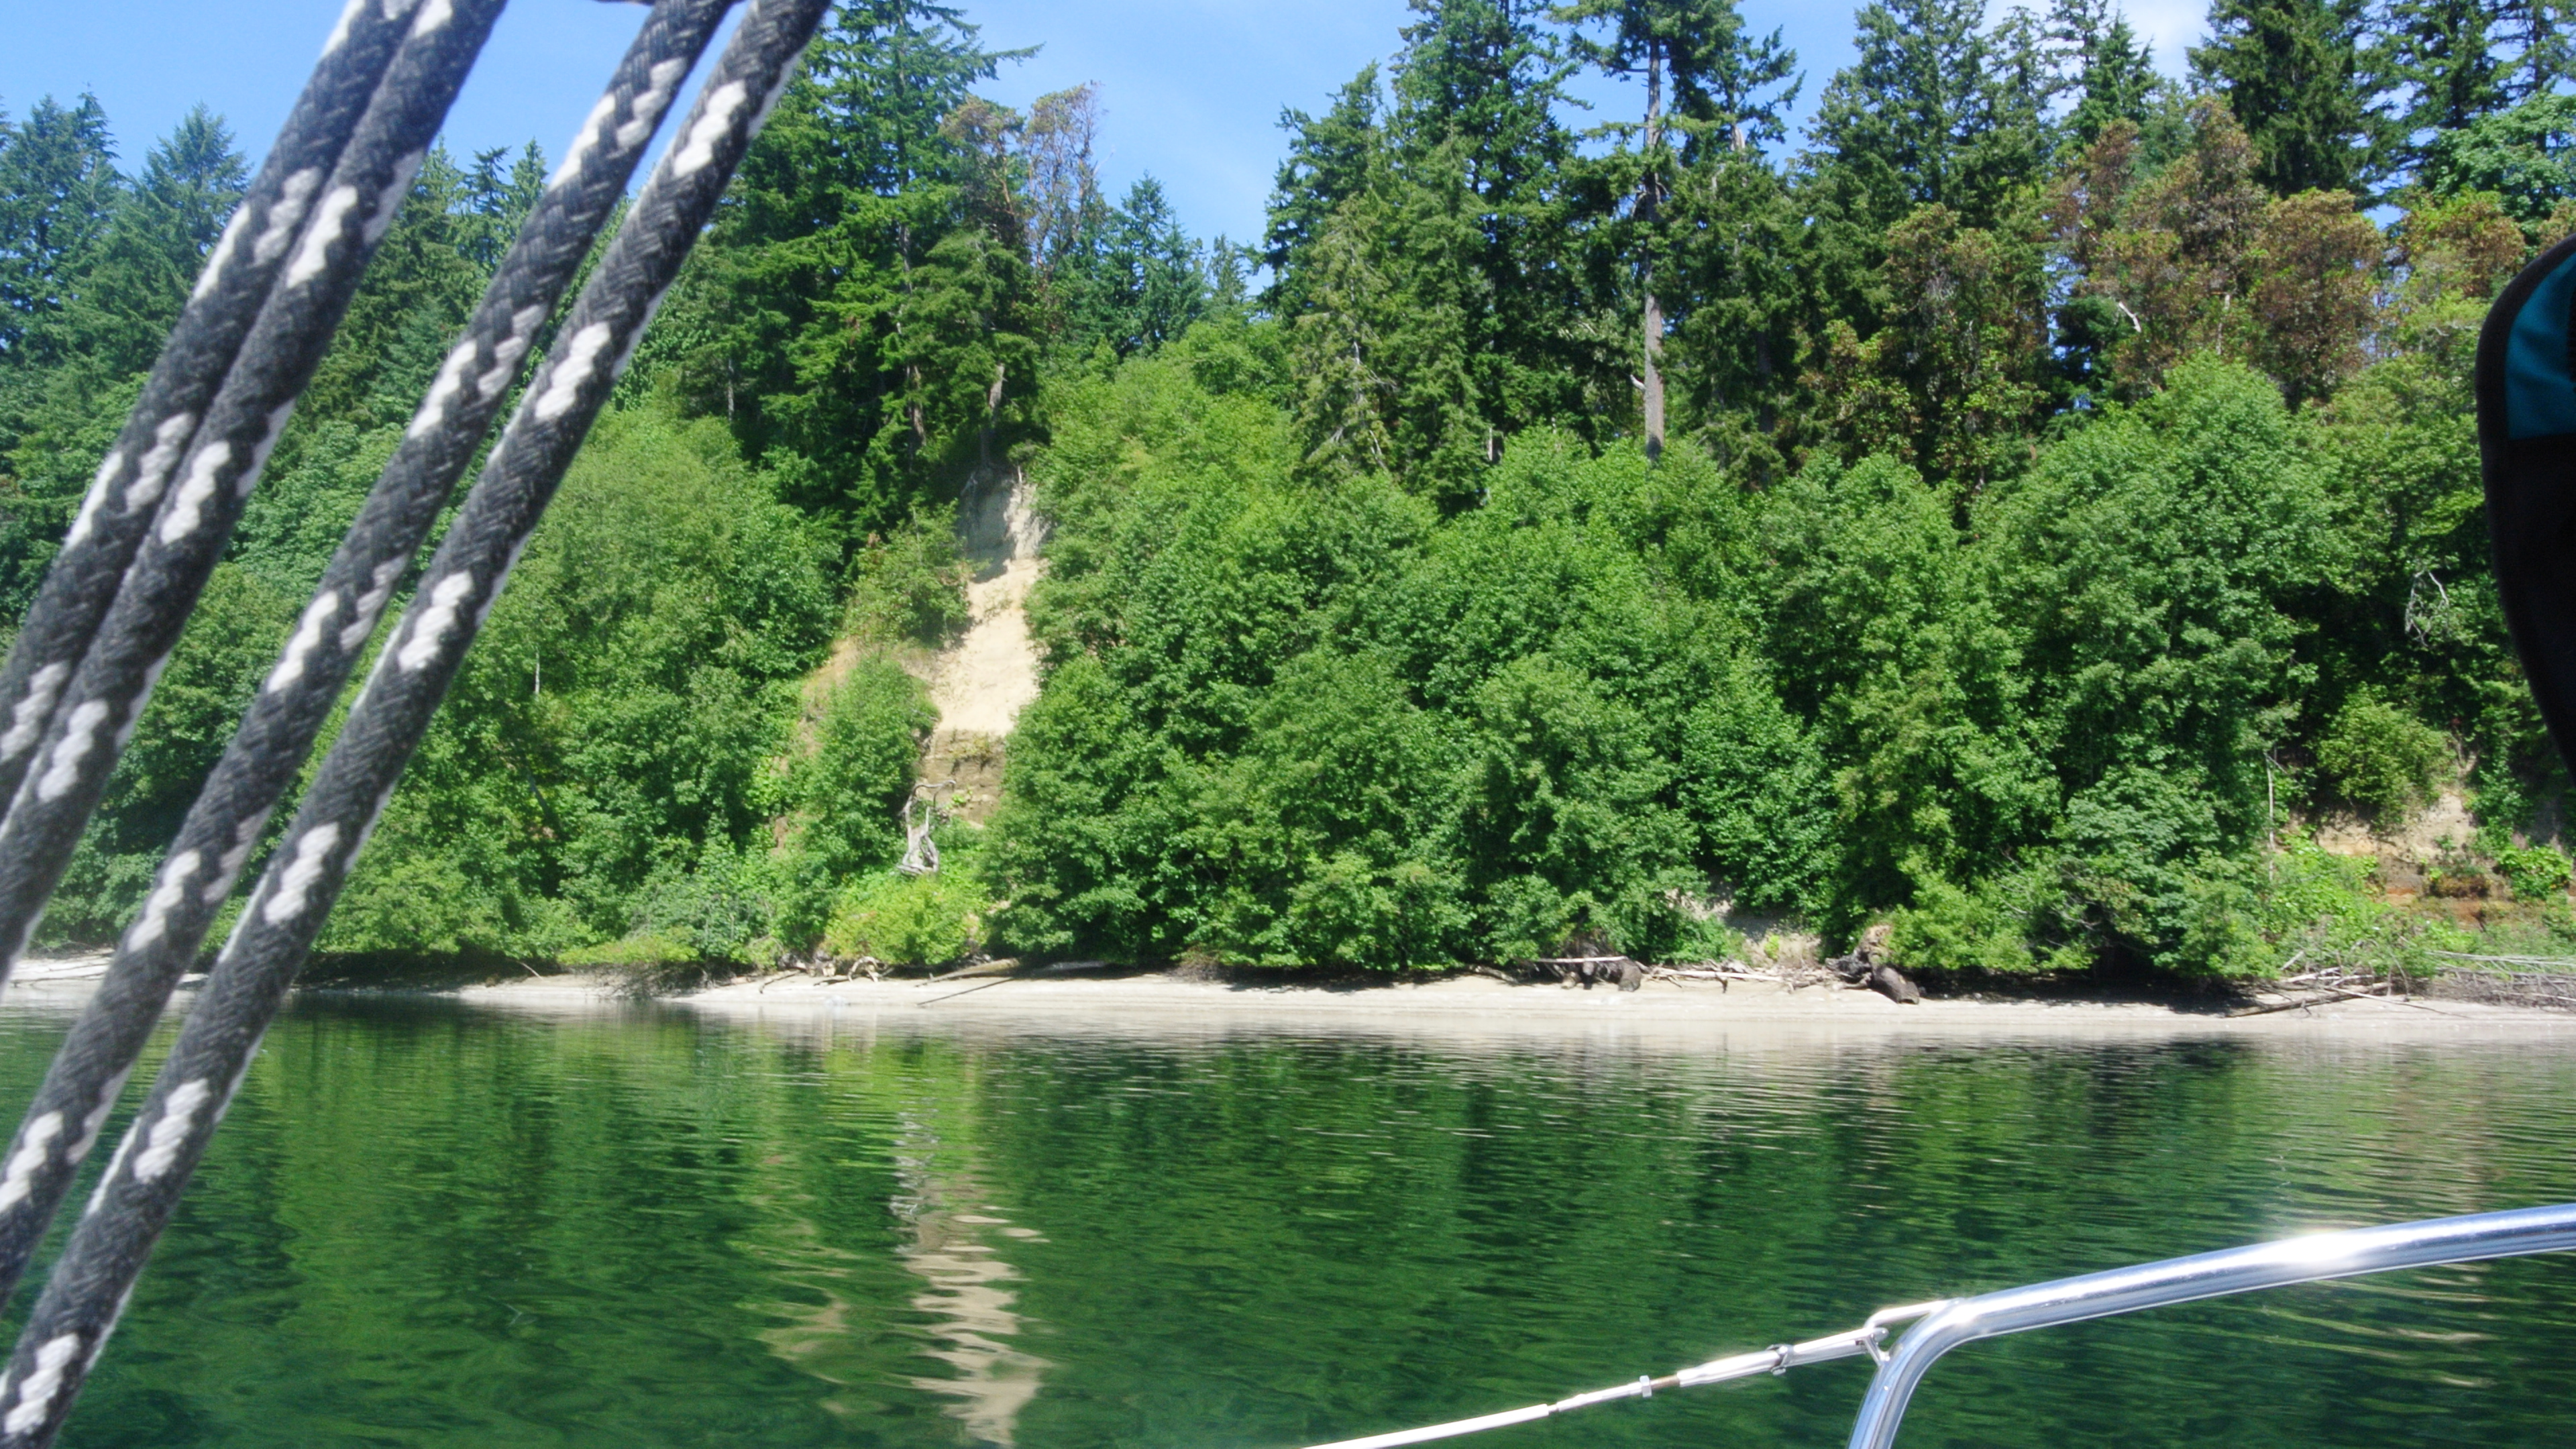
{"points": [[426, 1224]]}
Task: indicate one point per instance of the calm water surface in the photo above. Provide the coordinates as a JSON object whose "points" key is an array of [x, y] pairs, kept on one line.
{"points": [[429, 1225]]}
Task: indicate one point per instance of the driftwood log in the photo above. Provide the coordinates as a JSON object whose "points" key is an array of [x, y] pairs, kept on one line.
{"points": [[1862, 968], [1592, 970]]}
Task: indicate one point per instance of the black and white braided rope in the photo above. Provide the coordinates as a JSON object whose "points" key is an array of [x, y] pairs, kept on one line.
{"points": [[97, 713], [278, 729], [141, 1187], [256, 245]]}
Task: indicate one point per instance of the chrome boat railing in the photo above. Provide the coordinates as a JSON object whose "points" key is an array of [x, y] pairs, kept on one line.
{"points": [[2309, 1259], [1944, 1325]]}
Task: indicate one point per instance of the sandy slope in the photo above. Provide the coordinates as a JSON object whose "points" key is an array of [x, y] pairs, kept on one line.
{"points": [[980, 684]]}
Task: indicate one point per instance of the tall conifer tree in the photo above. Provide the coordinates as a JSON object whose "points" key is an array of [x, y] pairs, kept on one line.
{"points": [[59, 188], [2538, 33], [802, 318], [1330, 159], [1342, 394], [1132, 278], [2291, 73], [2108, 67], [1935, 111], [147, 258], [1741, 259], [1721, 81], [1477, 90], [2437, 67]]}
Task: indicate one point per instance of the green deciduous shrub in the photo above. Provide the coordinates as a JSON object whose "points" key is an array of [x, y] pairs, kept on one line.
{"points": [[851, 789], [2157, 563], [721, 907], [1308, 724], [2321, 909], [1756, 780], [1955, 928], [2536, 872], [613, 729], [908, 583], [2384, 760], [229, 646], [908, 920]]}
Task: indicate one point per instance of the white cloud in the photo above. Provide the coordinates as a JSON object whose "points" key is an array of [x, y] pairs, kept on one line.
{"points": [[2170, 28]]}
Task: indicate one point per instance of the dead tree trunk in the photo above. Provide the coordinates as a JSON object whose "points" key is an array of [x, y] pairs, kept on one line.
{"points": [[1649, 205]]}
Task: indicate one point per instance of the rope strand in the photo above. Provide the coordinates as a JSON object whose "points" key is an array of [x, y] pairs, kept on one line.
{"points": [[201, 349], [68, 772], [88, 1287], [278, 729]]}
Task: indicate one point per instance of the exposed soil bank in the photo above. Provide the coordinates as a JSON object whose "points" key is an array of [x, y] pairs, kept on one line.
{"points": [[980, 683]]}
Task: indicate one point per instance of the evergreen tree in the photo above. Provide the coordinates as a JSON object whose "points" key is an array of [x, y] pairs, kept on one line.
{"points": [[1342, 392], [64, 357], [1741, 255], [500, 199], [885, 76], [59, 189], [2111, 73], [1920, 117], [1330, 159], [1934, 111], [414, 298], [792, 319], [1229, 270], [1721, 83], [1487, 74], [1134, 281], [1465, 185], [147, 259], [2291, 73], [1727, 87], [1384, 353], [2536, 31], [2439, 66], [964, 354], [962, 348], [1952, 383], [1443, 420], [2525, 157], [1477, 90]]}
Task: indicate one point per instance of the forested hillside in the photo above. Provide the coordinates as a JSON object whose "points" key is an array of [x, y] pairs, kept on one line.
{"points": [[2014, 505]]}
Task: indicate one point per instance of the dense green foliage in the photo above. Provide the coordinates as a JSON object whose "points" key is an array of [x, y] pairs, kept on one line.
{"points": [[2003, 512], [634, 752], [1303, 723]]}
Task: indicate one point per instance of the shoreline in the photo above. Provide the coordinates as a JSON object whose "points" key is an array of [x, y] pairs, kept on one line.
{"points": [[1465, 1004], [1480, 1005]]}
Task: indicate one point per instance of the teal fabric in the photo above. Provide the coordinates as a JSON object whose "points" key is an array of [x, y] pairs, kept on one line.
{"points": [[2539, 393]]}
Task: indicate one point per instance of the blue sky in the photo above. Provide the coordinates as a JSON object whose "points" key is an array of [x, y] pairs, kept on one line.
{"points": [[1192, 88]]}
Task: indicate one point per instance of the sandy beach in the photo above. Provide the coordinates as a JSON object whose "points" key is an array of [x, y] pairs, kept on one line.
{"points": [[1464, 1005], [1483, 1006]]}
